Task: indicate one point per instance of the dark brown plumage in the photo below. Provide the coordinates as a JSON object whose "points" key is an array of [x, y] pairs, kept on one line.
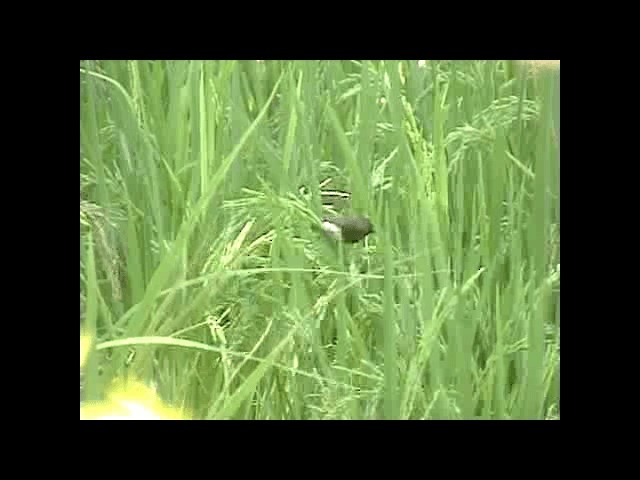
{"points": [[350, 229]]}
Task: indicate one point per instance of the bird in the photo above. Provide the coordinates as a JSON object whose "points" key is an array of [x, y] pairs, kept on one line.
{"points": [[349, 229]]}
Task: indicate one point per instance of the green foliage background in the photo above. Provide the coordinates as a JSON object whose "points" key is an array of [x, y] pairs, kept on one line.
{"points": [[202, 269]]}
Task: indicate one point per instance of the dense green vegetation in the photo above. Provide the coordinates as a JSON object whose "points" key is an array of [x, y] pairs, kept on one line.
{"points": [[203, 271]]}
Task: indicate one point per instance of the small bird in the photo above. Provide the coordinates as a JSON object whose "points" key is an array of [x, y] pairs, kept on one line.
{"points": [[349, 229]]}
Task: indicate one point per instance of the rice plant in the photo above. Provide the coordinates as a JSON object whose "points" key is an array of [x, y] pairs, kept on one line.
{"points": [[205, 273]]}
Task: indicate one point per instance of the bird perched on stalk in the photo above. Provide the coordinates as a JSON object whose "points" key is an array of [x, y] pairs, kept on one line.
{"points": [[350, 229]]}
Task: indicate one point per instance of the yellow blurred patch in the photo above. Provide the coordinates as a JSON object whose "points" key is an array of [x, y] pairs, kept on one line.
{"points": [[85, 347], [126, 400], [131, 401]]}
